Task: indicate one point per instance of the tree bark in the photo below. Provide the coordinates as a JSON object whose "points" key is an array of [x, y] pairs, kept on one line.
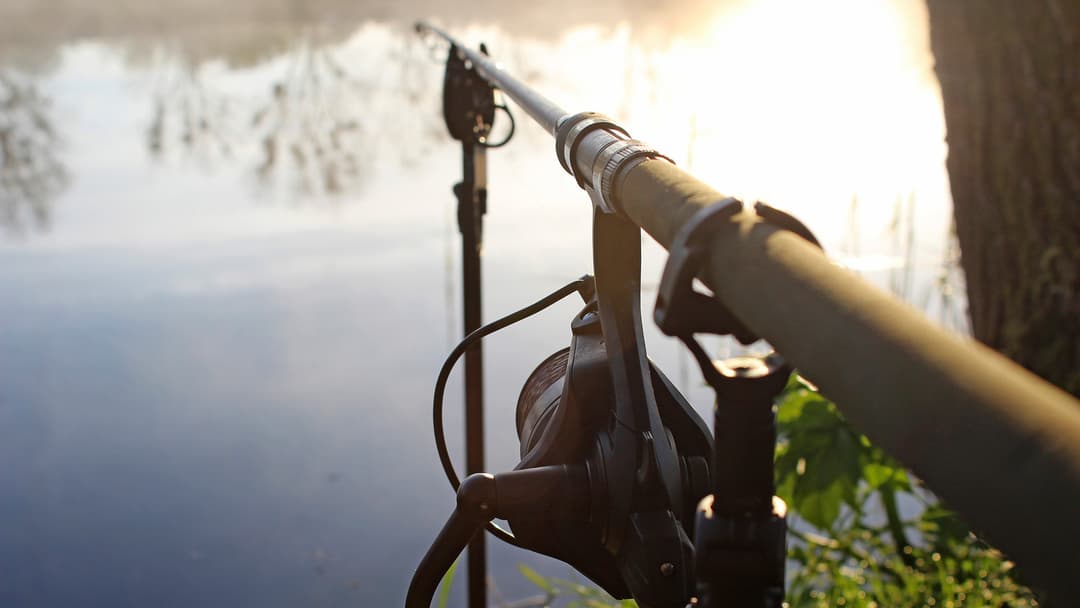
{"points": [[1010, 82]]}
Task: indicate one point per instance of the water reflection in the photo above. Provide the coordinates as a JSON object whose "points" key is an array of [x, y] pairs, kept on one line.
{"points": [[317, 124], [31, 172], [312, 120], [189, 115]]}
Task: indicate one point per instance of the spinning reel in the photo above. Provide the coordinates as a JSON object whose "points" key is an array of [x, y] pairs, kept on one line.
{"points": [[614, 461]]}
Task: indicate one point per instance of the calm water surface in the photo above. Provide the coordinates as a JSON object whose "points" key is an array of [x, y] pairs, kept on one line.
{"points": [[229, 268]]}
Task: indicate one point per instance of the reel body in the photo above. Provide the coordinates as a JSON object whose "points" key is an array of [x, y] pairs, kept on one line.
{"points": [[565, 415]]}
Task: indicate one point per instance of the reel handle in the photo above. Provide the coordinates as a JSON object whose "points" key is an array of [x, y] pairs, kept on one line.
{"points": [[555, 491]]}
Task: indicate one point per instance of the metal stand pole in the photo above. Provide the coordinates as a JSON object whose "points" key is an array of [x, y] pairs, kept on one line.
{"points": [[471, 195]]}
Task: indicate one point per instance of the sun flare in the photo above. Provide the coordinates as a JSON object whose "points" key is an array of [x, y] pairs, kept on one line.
{"points": [[813, 104]]}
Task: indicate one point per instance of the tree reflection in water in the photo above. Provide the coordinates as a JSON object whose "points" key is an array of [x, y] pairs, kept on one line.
{"points": [[312, 129], [187, 110], [31, 173], [311, 122]]}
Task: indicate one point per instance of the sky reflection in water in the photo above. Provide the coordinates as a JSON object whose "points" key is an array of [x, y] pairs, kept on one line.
{"points": [[223, 306]]}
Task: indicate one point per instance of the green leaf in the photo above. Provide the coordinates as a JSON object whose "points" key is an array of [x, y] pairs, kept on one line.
{"points": [[786, 472], [942, 525], [829, 453], [819, 414], [788, 411], [878, 475], [445, 584], [792, 405], [575, 587], [825, 485], [537, 579], [794, 382]]}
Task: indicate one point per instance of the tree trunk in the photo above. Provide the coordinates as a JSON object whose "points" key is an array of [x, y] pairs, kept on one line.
{"points": [[1010, 81]]}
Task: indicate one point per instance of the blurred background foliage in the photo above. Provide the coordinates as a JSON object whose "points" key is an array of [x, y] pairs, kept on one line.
{"points": [[865, 532]]}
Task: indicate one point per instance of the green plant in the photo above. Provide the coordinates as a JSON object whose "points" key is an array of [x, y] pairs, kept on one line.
{"points": [[576, 594], [849, 541], [445, 584]]}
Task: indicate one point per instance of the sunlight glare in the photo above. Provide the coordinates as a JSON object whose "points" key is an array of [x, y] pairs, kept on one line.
{"points": [[814, 103]]}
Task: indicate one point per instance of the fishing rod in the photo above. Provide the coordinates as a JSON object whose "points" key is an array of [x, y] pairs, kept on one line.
{"points": [[618, 474]]}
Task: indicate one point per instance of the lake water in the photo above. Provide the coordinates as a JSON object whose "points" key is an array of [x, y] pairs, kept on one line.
{"points": [[229, 259]]}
